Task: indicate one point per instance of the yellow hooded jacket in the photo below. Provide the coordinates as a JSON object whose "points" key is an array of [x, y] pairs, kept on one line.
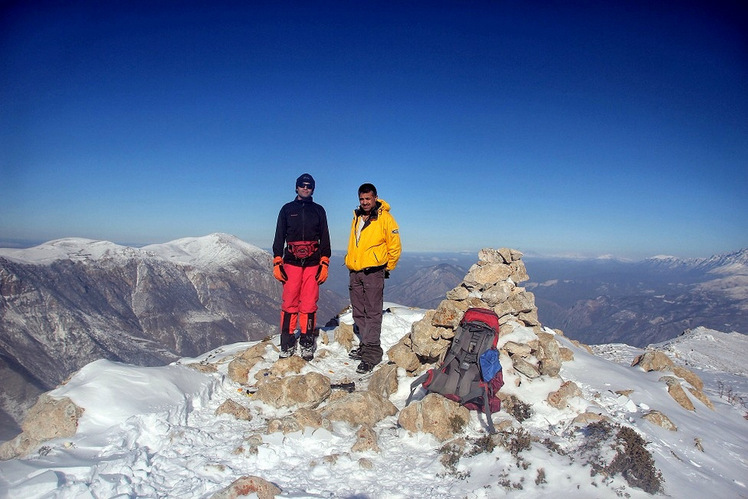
{"points": [[379, 242]]}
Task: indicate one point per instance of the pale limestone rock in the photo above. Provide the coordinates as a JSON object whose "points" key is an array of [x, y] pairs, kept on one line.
{"points": [[548, 354], [203, 367], [659, 419], [567, 355], [518, 272], [47, 419], [302, 418], [246, 486], [234, 409], [344, 335], [238, 369], [358, 408], [403, 356], [691, 377], [241, 364], [459, 293], [289, 365], [588, 417], [560, 398], [366, 440], [426, 339], [384, 380], [490, 255], [436, 415], [653, 360], [498, 293], [676, 391], [449, 313], [519, 349], [483, 275], [308, 390], [701, 396], [522, 301], [524, 367], [529, 318]]}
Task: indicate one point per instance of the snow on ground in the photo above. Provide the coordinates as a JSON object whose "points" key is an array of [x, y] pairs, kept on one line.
{"points": [[152, 432]]}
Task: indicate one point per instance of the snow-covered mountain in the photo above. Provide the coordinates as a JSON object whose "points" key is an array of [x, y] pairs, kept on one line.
{"points": [[68, 302], [644, 302], [160, 431]]}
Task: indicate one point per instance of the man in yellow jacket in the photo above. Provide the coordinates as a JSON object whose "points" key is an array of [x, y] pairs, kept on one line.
{"points": [[373, 251]]}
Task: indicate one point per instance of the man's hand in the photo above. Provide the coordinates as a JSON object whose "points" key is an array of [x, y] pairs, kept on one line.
{"points": [[324, 264], [278, 271]]}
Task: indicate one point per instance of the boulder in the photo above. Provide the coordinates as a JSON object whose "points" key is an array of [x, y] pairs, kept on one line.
{"points": [[426, 339], [47, 419], [449, 313], [676, 391], [653, 360], [302, 418], [234, 409], [701, 396], [659, 419], [358, 408], [483, 275], [560, 398], [498, 293], [434, 414], [308, 390], [246, 486], [525, 368], [459, 293], [690, 376], [344, 335], [366, 440], [384, 380]]}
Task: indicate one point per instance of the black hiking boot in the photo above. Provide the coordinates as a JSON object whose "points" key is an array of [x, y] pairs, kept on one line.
{"points": [[287, 352], [355, 354], [308, 346], [288, 345], [364, 367]]}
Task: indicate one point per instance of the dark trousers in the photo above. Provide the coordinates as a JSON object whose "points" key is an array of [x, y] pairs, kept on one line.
{"points": [[367, 298]]}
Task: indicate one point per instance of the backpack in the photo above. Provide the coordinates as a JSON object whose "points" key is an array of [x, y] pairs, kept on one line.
{"points": [[471, 372]]}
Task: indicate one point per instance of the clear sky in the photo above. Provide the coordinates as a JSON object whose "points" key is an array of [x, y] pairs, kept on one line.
{"points": [[550, 127]]}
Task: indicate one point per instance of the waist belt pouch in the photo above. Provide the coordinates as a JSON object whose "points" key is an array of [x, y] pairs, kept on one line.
{"points": [[302, 249]]}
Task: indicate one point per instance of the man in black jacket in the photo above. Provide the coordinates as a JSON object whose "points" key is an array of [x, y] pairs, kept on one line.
{"points": [[301, 266]]}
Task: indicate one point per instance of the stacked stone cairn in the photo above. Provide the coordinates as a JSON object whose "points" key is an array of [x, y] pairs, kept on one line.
{"points": [[493, 283], [490, 283]]}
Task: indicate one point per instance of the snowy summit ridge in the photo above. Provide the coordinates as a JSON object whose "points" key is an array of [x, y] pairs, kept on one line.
{"points": [[159, 431], [213, 249]]}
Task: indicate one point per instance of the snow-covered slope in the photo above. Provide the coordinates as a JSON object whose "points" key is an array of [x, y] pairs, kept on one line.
{"points": [[214, 249], [153, 432]]}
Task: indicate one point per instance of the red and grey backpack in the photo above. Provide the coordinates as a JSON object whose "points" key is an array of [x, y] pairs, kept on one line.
{"points": [[471, 372]]}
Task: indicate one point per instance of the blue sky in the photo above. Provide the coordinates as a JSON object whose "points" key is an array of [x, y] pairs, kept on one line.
{"points": [[583, 128]]}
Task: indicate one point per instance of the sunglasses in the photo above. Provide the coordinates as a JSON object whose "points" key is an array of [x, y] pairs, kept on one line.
{"points": [[305, 186]]}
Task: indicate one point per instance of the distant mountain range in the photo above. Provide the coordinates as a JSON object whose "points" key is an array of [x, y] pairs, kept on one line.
{"points": [[638, 303], [68, 302]]}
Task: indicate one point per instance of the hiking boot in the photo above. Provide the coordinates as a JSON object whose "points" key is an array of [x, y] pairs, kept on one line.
{"points": [[308, 346], [364, 367], [355, 354], [287, 352]]}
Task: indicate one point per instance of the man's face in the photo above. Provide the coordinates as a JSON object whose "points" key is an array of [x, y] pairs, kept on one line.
{"points": [[304, 191], [367, 201]]}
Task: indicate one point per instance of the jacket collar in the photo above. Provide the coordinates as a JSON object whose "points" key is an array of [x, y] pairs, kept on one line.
{"points": [[373, 214]]}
